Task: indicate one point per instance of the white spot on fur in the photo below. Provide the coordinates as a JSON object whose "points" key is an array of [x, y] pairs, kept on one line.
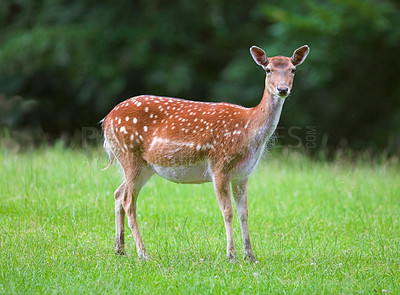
{"points": [[123, 129]]}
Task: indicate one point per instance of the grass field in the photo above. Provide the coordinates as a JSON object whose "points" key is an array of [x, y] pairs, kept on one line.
{"points": [[316, 227]]}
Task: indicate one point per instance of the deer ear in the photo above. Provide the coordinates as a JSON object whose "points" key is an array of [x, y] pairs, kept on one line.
{"points": [[259, 56], [299, 55]]}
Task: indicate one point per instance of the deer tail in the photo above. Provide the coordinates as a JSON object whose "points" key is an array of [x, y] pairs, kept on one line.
{"points": [[107, 147], [110, 154]]}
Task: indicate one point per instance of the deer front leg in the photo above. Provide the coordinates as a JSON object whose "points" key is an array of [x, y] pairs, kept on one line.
{"points": [[222, 191], [239, 188], [119, 220]]}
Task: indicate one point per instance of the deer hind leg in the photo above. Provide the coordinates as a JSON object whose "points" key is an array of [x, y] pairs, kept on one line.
{"points": [[136, 177], [239, 188], [222, 191], [119, 220]]}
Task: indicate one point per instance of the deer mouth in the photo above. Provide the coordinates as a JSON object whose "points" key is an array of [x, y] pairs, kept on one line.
{"points": [[283, 95], [283, 92]]}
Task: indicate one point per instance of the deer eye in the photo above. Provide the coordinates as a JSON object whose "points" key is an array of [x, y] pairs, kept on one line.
{"points": [[293, 71], [268, 71]]}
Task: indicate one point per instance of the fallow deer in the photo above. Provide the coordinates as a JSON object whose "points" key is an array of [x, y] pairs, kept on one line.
{"points": [[195, 142]]}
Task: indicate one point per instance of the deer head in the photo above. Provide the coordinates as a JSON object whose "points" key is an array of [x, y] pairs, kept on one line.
{"points": [[279, 70]]}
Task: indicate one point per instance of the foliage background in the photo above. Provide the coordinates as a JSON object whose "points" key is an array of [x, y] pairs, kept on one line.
{"points": [[65, 64]]}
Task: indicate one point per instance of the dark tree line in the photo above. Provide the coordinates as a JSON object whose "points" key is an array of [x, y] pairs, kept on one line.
{"points": [[65, 64]]}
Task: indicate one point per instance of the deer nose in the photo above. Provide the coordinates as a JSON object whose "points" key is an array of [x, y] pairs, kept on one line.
{"points": [[283, 90]]}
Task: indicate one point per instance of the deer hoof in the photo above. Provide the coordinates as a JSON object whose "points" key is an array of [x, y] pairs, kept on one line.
{"points": [[120, 251], [144, 256], [231, 257], [249, 257]]}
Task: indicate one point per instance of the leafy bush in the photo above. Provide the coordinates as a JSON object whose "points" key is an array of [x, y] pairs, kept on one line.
{"points": [[70, 62]]}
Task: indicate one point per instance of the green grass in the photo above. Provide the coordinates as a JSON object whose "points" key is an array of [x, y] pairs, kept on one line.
{"points": [[316, 227]]}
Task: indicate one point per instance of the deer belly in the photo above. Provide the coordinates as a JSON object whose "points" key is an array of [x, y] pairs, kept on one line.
{"points": [[184, 174]]}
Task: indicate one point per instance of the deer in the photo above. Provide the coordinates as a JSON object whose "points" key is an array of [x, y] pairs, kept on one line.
{"points": [[193, 142]]}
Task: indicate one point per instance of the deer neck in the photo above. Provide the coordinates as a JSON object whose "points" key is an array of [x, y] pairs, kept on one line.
{"points": [[265, 116]]}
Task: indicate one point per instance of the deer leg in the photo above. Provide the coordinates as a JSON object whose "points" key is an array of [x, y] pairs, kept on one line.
{"points": [[222, 191], [239, 188], [119, 220], [135, 180]]}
